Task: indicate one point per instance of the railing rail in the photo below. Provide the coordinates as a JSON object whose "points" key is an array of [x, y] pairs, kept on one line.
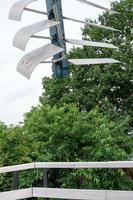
{"points": [[17, 194], [67, 194], [17, 168], [69, 165], [59, 193]]}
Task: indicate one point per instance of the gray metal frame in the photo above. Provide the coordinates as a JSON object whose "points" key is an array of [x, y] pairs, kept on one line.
{"points": [[54, 10]]}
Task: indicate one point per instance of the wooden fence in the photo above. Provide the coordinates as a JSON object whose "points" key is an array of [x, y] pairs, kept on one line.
{"points": [[59, 193]]}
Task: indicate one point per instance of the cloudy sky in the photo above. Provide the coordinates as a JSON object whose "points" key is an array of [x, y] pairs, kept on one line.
{"points": [[18, 94]]}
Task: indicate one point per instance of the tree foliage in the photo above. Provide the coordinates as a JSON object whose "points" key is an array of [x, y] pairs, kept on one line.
{"points": [[3, 127], [86, 117], [66, 134], [109, 86]]}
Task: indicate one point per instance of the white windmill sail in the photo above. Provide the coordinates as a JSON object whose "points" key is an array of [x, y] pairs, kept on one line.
{"points": [[91, 24], [102, 26], [97, 6], [94, 61], [17, 9], [90, 43], [23, 35], [29, 62]]}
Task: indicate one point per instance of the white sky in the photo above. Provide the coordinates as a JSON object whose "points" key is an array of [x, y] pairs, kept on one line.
{"points": [[18, 94]]}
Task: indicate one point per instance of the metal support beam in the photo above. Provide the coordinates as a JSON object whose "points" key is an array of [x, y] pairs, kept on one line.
{"points": [[41, 37], [15, 185], [45, 179], [60, 69], [35, 11]]}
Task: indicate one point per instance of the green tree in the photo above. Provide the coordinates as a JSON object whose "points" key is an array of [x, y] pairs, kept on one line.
{"points": [[66, 134], [3, 127], [13, 147], [14, 150], [109, 86]]}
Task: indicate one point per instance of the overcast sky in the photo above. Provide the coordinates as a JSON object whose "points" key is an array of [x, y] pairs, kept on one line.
{"points": [[18, 94]]}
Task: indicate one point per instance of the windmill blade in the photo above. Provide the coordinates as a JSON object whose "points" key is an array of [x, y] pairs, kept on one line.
{"points": [[102, 26], [17, 17], [97, 6], [17, 9], [91, 44], [91, 24], [95, 61], [29, 62], [76, 20], [23, 35]]}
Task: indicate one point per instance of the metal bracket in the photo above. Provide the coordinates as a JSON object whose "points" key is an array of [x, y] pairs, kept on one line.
{"points": [[15, 185]]}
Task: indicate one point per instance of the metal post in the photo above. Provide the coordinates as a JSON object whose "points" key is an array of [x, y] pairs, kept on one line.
{"points": [[60, 69], [15, 185], [45, 179]]}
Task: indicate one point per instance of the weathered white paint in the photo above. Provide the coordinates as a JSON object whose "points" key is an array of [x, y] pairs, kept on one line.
{"points": [[72, 165], [17, 194], [87, 165], [69, 165], [82, 194], [69, 194], [119, 195], [58, 193], [17, 168], [120, 164]]}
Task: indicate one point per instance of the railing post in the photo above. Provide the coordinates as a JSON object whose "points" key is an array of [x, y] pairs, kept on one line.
{"points": [[45, 179], [15, 185]]}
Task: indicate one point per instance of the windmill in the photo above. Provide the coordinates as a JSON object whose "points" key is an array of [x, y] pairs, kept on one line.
{"points": [[57, 48]]}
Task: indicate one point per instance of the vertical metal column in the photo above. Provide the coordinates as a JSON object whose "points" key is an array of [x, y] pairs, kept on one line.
{"points": [[60, 69], [45, 179], [15, 185]]}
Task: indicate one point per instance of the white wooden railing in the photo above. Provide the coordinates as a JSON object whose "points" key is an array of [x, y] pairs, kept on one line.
{"points": [[67, 194], [69, 165], [58, 193]]}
